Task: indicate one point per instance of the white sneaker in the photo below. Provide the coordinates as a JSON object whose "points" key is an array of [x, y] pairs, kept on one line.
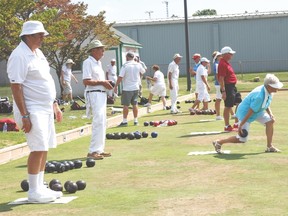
{"points": [[57, 194], [164, 107], [219, 118], [40, 196], [147, 105]]}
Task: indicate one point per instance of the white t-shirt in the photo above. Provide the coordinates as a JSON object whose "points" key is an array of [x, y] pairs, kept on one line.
{"points": [[160, 78], [130, 72], [173, 68], [201, 71], [32, 71], [92, 69], [67, 72], [112, 72]]}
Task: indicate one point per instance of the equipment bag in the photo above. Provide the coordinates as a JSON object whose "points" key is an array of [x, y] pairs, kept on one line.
{"points": [[5, 105]]}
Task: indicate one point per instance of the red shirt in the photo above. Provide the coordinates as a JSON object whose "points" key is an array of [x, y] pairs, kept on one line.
{"points": [[225, 70]]}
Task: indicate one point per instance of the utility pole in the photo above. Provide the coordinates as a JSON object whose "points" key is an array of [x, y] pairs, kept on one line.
{"points": [[187, 47], [167, 11], [149, 12]]}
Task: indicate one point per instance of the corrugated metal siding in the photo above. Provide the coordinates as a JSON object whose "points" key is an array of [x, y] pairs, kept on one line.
{"points": [[261, 44]]}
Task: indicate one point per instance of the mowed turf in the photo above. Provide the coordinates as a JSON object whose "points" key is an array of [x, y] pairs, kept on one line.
{"points": [[154, 176]]}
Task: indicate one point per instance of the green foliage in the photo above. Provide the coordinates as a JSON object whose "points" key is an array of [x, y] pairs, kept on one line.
{"points": [[205, 12]]}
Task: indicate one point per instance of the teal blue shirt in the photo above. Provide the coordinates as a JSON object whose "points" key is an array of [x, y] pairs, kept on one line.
{"points": [[258, 100]]}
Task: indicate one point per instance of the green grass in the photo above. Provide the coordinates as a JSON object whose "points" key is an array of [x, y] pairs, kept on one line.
{"points": [[73, 119], [156, 177]]}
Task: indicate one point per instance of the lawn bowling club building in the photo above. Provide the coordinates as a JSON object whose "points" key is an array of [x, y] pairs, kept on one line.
{"points": [[259, 39]]}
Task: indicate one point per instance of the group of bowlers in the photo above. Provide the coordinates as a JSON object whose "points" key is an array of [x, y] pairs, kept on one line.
{"points": [[34, 94]]}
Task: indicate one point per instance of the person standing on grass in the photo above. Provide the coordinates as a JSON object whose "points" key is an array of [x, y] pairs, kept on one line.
{"points": [[227, 80], [216, 58], [66, 75], [202, 85], [137, 59], [111, 74], [173, 76], [159, 87], [196, 58], [130, 75], [96, 98], [34, 105], [255, 107]]}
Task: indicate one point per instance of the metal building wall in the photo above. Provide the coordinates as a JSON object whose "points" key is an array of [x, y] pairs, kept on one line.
{"points": [[260, 42]]}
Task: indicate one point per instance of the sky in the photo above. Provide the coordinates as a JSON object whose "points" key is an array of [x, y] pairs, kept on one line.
{"points": [[128, 10]]}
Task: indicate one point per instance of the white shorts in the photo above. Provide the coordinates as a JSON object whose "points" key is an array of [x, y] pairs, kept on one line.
{"points": [[42, 135], [159, 90], [262, 120], [218, 92], [203, 94]]}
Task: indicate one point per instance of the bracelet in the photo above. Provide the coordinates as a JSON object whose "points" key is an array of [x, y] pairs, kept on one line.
{"points": [[26, 116]]}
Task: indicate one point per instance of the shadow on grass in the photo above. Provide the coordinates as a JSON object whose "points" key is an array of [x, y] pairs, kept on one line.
{"points": [[202, 134], [237, 156], [4, 207]]}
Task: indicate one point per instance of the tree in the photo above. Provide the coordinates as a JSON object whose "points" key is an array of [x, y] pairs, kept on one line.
{"points": [[70, 29], [205, 12]]}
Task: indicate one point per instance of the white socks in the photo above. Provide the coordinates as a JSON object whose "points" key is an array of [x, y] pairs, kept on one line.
{"points": [[33, 182]]}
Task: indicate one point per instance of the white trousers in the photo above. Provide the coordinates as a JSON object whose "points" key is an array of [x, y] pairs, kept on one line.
{"points": [[97, 102], [174, 95]]}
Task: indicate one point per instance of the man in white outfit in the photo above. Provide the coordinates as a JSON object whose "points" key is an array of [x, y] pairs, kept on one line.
{"points": [[111, 74], [173, 76], [34, 105], [96, 98]]}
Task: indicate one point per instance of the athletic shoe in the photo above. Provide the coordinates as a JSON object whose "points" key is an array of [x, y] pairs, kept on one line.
{"points": [[217, 147], [147, 105], [219, 118], [228, 128], [123, 124], [57, 194], [235, 126], [191, 110], [173, 112], [40, 196], [136, 123], [272, 149], [164, 107]]}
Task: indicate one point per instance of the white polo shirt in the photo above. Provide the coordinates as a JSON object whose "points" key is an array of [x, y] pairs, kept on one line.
{"points": [[67, 72], [92, 69], [173, 68], [201, 71], [160, 78], [112, 72], [130, 72], [32, 70]]}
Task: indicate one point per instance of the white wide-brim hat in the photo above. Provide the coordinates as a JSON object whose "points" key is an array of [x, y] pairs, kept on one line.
{"points": [[95, 44], [33, 27], [70, 61]]}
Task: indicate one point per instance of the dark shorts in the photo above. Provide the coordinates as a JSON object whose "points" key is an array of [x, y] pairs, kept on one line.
{"points": [[231, 91], [129, 97]]}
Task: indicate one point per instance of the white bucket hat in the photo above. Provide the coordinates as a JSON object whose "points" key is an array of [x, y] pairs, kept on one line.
{"points": [[70, 61], [33, 27], [273, 81], [95, 44]]}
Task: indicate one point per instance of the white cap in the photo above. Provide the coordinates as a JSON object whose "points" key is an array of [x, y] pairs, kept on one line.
{"points": [[113, 60], [203, 59], [177, 55], [272, 81], [70, 61], [33, 27], [95, 44], [227, 49]]}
